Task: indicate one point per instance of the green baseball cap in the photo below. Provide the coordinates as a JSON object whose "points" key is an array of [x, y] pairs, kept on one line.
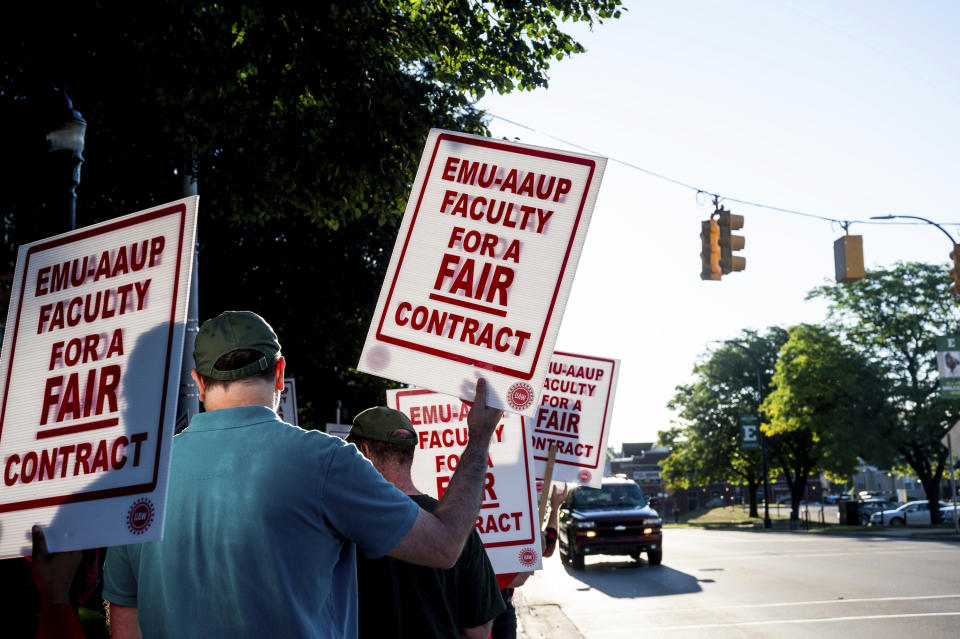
{"points": [[233, 331], [378, 424]]}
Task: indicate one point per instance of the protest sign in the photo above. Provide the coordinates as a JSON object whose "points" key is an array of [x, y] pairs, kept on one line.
{"points": [[287, 410], [507, 522], [574, 413], [89, 376], [482, 267]]}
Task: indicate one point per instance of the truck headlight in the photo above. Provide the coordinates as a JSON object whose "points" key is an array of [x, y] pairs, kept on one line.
{"points": [[585, 524]]}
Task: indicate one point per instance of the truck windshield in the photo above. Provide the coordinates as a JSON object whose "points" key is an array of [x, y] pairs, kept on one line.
{"points": [[613, 496]]}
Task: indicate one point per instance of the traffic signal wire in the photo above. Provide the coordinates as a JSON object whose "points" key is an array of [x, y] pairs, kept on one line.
{"points": [[843, 223]]}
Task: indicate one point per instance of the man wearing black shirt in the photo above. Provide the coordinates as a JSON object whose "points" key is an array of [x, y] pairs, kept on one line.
{"points": [[399, 599]]}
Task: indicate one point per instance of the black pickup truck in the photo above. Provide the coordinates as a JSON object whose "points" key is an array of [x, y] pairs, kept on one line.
{"points": [[611, 520]]}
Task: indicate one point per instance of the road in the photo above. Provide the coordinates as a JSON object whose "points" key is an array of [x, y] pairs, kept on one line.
{"points": [[753, 584]]}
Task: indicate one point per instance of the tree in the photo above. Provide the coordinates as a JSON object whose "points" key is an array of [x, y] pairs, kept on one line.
{"points": [[303, 123], [708, 447], [893, 317], [826, 409]]}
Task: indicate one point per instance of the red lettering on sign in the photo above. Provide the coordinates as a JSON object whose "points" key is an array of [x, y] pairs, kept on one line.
{"points": [[559, 421], [447, 324], [93, 306], [442, 482], [33, 466], [488, 492], [68, 403], [493, 523]]}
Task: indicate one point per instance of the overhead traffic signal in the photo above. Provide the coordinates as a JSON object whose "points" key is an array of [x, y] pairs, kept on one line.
{"points": [[848, 259], [710, 253], [955, 273], [729, 242]]}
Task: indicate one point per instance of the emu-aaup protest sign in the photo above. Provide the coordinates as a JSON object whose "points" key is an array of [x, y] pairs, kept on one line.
{"points": [[89, 376], [482, 267], [507, 522], [574, 414]]}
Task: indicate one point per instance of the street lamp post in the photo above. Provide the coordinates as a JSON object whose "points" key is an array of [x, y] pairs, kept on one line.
{"points": [[913, 217], [954, 254], [66, 142], [763, 436]]}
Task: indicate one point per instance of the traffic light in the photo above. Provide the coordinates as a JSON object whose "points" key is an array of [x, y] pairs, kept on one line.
{"points": [[710, 253], [955, 273], [730, 243], [848, 258]]}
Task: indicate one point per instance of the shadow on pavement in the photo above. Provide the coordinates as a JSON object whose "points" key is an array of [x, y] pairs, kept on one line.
{"points": [[627, 578]]}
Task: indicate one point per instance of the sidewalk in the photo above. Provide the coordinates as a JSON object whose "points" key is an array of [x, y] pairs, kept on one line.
{"points": [[545, 621]]}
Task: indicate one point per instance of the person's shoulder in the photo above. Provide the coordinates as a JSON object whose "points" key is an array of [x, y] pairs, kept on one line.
{"points": [[313, 442], [308, 436]]}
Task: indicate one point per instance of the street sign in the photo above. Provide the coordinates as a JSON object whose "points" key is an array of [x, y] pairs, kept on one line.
{"points": [[482, 267], [287, 410], [89, 375], [948, 364], [508, 520], [750, 426], [339, 430]]}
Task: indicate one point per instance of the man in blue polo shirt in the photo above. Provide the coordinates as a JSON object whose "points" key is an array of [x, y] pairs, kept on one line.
{"points": [[263, 518]]}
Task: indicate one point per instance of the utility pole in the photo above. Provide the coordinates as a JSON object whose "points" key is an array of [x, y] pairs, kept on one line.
{"points": [[188, 402]]}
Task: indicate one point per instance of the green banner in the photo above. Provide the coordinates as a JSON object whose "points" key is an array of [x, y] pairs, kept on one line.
{"points": [[749, 432], [948, 363]]}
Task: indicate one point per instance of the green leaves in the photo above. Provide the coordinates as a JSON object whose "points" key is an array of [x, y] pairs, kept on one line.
{"points": [[304, 122], [707, 448], [832, 393], [892, 317]]}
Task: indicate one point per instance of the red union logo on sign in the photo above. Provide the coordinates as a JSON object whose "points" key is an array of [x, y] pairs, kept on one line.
{"points": [[520, 396], [527, 557], [140, 516]]}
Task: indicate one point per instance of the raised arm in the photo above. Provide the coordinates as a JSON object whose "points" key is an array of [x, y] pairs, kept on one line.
{"points": [[557, 495], [437, 538]]}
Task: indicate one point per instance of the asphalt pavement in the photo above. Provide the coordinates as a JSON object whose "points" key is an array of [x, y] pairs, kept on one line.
{"points": [[872, 583]]}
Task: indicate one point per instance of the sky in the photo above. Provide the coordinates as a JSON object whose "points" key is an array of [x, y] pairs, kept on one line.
{"points": [[838, 110]]}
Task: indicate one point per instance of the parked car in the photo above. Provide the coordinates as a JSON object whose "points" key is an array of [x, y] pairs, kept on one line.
{"points": [[867, 508], [913, 513], [614, 519]]}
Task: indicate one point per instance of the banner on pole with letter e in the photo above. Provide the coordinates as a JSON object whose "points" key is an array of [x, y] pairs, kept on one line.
{"points": [[482, 268], [89, 378], [948, 365], [574, 414], [507, 522]]}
